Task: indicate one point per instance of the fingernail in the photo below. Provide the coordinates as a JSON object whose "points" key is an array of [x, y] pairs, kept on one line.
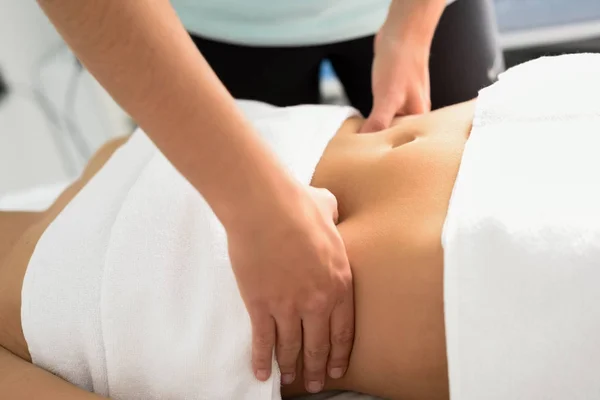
{"points": [[288, 378], [336, 373], [262, 374], [314, 386]]}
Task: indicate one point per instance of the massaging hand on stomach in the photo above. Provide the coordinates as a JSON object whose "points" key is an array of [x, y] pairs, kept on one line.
{"points": [[288, 257], [394, 188]]}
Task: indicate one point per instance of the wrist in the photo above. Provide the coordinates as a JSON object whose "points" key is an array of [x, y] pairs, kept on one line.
{"points": [[403, 50], [413, 22], [270, 199]]}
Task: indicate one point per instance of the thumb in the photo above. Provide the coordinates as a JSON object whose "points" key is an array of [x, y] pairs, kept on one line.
{"points": [[326, 202], [381, 118]]}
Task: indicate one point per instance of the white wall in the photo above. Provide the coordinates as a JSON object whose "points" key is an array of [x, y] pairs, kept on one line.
{"points": [[29, 154]]}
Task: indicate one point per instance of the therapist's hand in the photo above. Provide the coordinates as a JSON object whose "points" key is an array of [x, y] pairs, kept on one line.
{"points": [[400, 80], [294, 277]]}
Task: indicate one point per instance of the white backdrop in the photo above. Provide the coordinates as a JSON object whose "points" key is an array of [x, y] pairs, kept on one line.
{"points": [[29, 150]]}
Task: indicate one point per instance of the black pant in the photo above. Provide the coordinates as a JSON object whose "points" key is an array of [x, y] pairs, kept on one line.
{"points": [[464, 58]]}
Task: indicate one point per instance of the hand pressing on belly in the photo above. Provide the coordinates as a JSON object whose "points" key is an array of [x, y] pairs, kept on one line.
{"points": [[400, 75], [295, 279], [288, 258]]}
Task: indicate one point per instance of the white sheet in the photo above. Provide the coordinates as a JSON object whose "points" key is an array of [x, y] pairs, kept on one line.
{"points": [[522, 239]]}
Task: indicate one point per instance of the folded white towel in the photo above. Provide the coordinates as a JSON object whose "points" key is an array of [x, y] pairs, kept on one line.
{"points": [[130, 291], [522, 238]]}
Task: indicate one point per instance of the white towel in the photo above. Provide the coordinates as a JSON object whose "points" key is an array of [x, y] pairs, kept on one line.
{"points": [[522, 239], [130, 291]]}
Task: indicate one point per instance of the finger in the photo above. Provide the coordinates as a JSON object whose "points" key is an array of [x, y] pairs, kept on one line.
{"points": [[327, 203], [289, 343], [263, 340], [427, 95], [381, 117], [316, 350], [418, 103], [342, 336], [332, 205]]}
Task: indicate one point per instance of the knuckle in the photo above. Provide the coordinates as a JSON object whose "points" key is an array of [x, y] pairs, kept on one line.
{"points": [[344, 337], [346, 281], [256, 307], [322, 249], [287, 348], [263, 342], [317, 353], [287, 310], [376, 124], [318, 305], [342, 267], [329, 197], [339, 248], [342, 284]]}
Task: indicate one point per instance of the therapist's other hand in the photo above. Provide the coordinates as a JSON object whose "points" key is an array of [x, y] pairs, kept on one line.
{"points": [[295, 279], [400, 80]]}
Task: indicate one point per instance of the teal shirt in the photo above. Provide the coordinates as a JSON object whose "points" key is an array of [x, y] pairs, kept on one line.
{"points": [[282, 22]]}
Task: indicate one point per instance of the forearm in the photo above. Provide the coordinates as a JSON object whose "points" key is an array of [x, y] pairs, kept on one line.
{"points": [[414, 20], [142, 55], [20, 380]]}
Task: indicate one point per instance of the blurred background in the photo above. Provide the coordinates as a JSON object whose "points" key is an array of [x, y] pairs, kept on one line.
{"points": [[54, 115]]}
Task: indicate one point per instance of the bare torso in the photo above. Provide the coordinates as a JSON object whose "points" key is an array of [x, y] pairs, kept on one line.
{"points": [[393, 189]]}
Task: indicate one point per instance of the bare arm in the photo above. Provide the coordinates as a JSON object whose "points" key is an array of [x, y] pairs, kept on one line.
{"points": [[20, 380], [401, 64], [414, 20], [142, 55], [287, 255]]}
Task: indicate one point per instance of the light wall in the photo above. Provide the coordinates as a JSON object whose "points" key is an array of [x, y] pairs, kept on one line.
{"points": [[31, 151]]}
